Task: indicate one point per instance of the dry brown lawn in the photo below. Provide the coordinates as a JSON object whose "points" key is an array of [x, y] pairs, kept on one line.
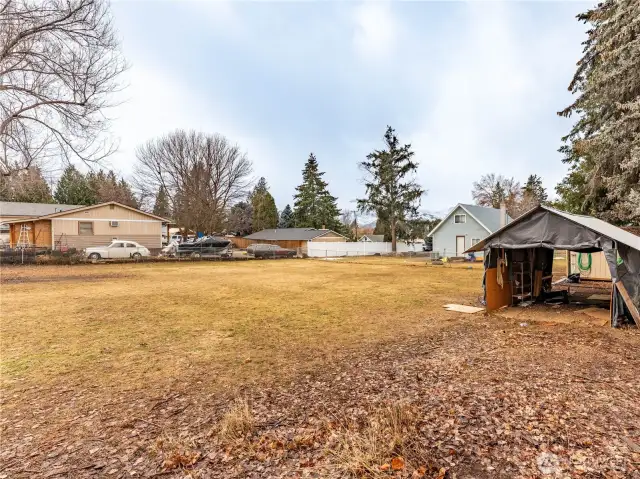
{"points": [[302, 368], [118, 325]]}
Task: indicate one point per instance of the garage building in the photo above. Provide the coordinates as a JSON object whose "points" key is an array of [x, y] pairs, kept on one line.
{"points": [[293, 238]]}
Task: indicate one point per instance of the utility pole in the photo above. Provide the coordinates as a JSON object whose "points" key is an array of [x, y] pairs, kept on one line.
{"points": [[355, 217]]}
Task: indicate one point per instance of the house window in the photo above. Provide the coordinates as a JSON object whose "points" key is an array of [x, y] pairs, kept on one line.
{"points": [[112, 207], [475, 241], [460, 219], [85, 228]]}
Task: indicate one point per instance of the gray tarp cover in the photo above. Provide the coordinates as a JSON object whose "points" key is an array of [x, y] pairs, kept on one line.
{"points": [[548, 230]]}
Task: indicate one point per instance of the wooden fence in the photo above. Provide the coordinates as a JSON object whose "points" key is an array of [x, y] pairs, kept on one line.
{"points": [[291, 244]]}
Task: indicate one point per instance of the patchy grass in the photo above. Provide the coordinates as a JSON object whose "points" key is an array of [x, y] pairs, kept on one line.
{"points": [[236, 422], [384, 443], [236, 321]]}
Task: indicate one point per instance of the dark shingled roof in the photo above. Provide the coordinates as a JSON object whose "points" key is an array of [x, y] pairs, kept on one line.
{"points": [[291, 234], [14, 208]]}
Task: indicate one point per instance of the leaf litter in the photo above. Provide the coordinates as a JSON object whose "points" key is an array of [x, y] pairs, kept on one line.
{"points": [[481, 398]]}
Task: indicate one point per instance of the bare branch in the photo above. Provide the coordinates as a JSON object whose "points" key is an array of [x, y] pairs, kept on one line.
{"points": [[59, 64], [202, 175]]}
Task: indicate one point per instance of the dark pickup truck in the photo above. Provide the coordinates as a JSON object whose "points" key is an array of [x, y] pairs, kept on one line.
{"points": [[208, 246]]}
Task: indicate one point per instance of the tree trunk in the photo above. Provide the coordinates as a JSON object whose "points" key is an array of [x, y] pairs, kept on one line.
{"points": [[393, 235]]}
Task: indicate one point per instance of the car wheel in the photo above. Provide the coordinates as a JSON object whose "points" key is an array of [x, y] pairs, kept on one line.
{"points": [[136, 256], [94, 256], [196, 255]]}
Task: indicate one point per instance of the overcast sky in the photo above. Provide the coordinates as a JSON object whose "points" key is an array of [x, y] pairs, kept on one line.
{"points": [[474, 87]]}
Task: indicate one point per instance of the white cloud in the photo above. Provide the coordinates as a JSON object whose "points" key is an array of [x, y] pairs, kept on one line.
{"points": [[375, 30], [485, 96]]}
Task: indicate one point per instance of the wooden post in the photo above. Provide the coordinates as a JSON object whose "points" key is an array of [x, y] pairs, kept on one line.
{"points": [[627, 299]]}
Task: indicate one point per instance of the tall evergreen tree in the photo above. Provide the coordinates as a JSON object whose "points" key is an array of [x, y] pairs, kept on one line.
{"points": [[603, 147], [534, 188], [286, 218], [161, 205], [125, 194], [107, 187], [265, 213], [73, 188], [27, 186], [314, 206], [392, 191]]}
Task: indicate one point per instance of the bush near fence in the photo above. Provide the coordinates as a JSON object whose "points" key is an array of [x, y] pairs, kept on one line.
{"points": [[34, 255]]}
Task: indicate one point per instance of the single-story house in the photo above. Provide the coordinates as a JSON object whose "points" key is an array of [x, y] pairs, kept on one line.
{"points": [[465, 226], [518, 258], [372, 239], [83, 226], [293, 238]]}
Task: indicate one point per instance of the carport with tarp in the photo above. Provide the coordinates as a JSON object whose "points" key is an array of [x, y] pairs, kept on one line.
{"points": [[518, 259]]}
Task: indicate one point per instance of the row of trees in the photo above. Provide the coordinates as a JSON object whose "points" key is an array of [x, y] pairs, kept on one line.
{"points": [[203, 183], [73, 188]]}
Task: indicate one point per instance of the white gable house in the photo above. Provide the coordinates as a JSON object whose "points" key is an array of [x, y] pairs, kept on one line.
{"points": [[464, 226]]}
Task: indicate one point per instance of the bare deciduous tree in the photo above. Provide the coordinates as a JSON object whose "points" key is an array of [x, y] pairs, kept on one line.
{"points": [[59, 63], [492, 189], [203, 175]]}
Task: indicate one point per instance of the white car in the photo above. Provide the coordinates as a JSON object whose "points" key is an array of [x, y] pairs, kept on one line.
{"points": [[118, 249]]}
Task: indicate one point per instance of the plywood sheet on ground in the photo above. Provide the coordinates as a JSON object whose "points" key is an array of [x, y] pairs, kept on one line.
{"points": [[599, 297], [598, 313], [461, 308]]}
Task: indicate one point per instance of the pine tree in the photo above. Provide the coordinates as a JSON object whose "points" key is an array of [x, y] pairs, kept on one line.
{"points": [[286, 218], [161, 206], [533, 187], [27, 186], [314, 206], [106, 187], [603, 147], [73, 188], [125, 194], [265, 213], [390, 193]]}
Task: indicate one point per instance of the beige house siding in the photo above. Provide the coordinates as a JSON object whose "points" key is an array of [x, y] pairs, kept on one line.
{"points": [[82, 241], [132, 225], [146, 232]]}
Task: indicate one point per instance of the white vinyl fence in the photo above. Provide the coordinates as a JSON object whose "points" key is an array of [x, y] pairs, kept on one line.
{"points": [[356, 248]]}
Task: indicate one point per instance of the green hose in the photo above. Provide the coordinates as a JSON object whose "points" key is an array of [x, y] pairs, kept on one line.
{"points": [[581, 266]]}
